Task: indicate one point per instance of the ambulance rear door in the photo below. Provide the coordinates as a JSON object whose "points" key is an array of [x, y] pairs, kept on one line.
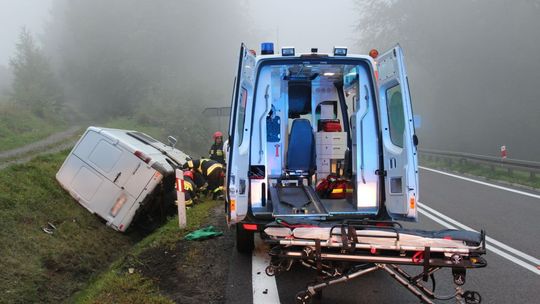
{"points": [[238, 144], [398, 136]]}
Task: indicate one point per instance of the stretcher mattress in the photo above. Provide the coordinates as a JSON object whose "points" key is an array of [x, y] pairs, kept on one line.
{"points": [[403, 238]]}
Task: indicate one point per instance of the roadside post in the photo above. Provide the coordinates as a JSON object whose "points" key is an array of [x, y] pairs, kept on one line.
{"points": [[181, 198]]}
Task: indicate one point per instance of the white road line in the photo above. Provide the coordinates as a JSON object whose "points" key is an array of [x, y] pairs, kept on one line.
{"points": [[264, 287], [423, 210], [482, 183], [523, 255]]}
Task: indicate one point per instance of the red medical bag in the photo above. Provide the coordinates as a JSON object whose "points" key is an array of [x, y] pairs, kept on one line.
{"points": [[330, 125]]}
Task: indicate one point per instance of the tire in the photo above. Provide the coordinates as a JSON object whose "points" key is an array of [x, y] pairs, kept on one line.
{"points": [[245, 240]]}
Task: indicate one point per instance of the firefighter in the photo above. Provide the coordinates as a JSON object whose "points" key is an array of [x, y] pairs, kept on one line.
{"points": [[216, 151], [212, 171], [190, 188]]}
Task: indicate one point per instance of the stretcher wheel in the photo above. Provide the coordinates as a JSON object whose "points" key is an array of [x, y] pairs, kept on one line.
{"points": [[303, 297], [270, 271], [472, 297]]}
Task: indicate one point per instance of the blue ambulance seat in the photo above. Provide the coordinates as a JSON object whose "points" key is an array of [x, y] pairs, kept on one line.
{"points": [[301, 152]]}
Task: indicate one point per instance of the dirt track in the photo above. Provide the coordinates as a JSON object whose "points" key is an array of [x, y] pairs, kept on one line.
{"points": [[54, 143]]}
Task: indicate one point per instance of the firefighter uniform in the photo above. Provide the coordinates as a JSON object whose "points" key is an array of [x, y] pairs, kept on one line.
{"points": [[189, 188], [216, 153], [211, 170]]}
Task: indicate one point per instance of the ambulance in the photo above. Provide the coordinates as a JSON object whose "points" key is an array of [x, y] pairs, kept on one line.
{"points": [[322, 163]]}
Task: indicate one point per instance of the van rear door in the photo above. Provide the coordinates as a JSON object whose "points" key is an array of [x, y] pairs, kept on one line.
{"points": [[400, 158], [239, 139]]}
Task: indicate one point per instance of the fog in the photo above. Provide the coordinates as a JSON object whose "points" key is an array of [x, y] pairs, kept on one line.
{"points": [[472, 67]]}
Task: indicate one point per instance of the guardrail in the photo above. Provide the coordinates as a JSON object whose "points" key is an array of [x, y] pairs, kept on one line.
{"points": [[509, 164]]}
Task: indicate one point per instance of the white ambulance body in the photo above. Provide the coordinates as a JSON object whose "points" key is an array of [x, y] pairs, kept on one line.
{"points": [[279, 148]]}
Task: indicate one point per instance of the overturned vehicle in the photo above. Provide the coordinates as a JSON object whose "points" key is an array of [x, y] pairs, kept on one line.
{"points": [[123, 176], [322, 162]]}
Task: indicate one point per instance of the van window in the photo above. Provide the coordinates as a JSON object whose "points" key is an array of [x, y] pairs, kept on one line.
{"points": [[241, 116], [396, 116], [105, 156]]}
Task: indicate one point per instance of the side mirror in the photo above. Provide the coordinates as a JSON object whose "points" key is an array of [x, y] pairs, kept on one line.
{"points": [[415, 140], [172, 141]]}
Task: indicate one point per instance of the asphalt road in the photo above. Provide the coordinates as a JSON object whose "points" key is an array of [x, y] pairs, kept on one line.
{"points": [[508, 217]]}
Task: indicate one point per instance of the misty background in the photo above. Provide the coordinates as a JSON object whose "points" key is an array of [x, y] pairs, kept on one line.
{"points": [[472, 68]]}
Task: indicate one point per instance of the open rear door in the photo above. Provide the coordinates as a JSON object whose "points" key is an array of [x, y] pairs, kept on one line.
{"points": [[399, 139], [239, 139]]}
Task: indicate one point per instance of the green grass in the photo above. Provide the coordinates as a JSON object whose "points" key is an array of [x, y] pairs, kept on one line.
{"points": [[19, 126], [495, 173], [117, 285], [38, 267]]}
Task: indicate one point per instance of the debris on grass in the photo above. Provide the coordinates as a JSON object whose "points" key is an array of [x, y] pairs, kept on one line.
{"points": [[203, 234]]}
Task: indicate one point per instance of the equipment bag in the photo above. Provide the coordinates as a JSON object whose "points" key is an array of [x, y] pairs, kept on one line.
{"points": [[333, 187]]}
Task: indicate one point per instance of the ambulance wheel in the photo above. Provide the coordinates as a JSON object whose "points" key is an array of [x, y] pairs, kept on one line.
{"points": [[245, 240]]}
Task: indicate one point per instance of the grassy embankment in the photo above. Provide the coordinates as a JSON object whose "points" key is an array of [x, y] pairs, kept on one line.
{"points": [[39, 267], [118, 285], [495, 173], [19, 126]]}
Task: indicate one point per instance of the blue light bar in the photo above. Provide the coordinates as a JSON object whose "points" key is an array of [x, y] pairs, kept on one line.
{"points": [[267, 48], [340, 51], [287, 51]]}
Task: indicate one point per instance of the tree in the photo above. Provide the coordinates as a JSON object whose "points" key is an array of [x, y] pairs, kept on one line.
{"points": [[34, 83]]}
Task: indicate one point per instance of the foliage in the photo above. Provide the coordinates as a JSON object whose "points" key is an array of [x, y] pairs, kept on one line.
{"points": [[34, 83], [119, 57], [37, 267]]}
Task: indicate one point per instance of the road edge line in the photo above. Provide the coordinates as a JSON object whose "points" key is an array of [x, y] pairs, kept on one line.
{"points": [[264, 287], [490, 247], [482, 183], [521, 254]]}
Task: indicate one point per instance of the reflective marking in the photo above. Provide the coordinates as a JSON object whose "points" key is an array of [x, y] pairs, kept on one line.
{"points": [[423, 209], [489, 239], [264, 286], [482, 183]]}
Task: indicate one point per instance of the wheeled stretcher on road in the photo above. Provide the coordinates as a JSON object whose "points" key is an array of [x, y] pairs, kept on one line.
{"points": [[343, 251]]}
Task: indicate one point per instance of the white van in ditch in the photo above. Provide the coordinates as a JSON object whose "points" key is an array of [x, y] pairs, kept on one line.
{"points": [[113, 173], [322, 161]]}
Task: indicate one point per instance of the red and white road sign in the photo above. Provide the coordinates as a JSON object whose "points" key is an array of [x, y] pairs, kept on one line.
{"points": [[503, 152]]}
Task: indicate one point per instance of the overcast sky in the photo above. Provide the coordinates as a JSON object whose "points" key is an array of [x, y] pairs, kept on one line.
{"points": [[285, 27], [304, 23], [15, 14]]}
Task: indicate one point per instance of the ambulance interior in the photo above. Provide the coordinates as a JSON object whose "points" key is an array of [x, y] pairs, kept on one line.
{"points": [[314, 146]]}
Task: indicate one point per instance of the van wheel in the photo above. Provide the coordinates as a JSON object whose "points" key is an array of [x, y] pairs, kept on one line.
{"points": [[245, 240]]}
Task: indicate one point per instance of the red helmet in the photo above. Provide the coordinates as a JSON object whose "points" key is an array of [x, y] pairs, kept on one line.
{"points": [[188, 173], [218, 134]]}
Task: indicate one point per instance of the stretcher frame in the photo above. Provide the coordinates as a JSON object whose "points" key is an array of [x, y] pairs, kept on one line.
{"points": [[327, 257]]}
